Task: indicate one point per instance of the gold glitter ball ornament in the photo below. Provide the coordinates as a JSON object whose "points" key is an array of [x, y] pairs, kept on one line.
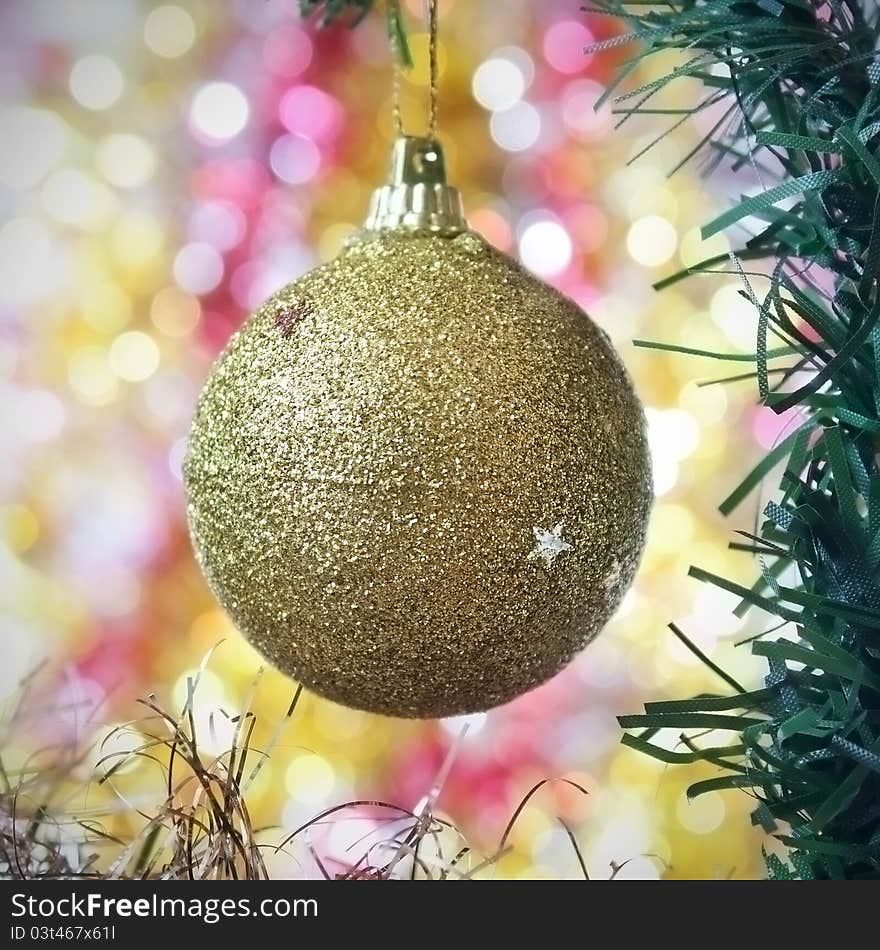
{"points": [[418, 478]]}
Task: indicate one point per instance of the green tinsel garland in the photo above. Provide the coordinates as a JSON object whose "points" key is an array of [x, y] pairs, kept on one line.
{"points": [[794, 86]]}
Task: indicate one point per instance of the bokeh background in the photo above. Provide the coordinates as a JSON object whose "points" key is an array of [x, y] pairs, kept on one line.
{"points": [[166, 166]]}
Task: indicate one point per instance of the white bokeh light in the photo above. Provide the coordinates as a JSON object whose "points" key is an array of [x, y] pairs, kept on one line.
{"points": [[31, 263], [34, 140], [32, 416], [295, 159], [72, 197], [517, 128], [545, 247], [219, 111], [198, 267], [473, 723], [736, 316], [96, 82], [214, 728], [498, 83], [681, 431], [218, 223], [176, 455], [673, 435]]}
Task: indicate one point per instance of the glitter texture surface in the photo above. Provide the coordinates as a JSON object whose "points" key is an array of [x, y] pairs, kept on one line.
{"points": [[371, 460]]}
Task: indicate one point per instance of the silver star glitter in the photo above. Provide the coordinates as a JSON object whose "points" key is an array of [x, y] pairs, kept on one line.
{"points": [[549, 544], [612, 578]]}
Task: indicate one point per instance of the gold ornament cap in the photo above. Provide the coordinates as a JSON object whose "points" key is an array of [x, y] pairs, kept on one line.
{"points": [[417, 196]]}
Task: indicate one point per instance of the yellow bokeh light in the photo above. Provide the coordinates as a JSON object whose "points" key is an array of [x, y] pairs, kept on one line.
{"points": [[701, 815], [90, 376], [134, 356], [694, 249], [707, 403], [310, 779], [672, 527], [126, 161], [137, 240], [651, 240], [169, 31], [332, 239], [209, 689], [210, 627], [175, 312], [21, 528], [105, 306], [338, 722]]}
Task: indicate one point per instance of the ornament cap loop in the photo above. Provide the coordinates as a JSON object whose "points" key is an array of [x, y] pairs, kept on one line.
{"points": [[417, 196]]}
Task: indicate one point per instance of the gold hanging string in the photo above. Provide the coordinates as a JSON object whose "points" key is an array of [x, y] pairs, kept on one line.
{"points": [[394, 15], [397, 56], [432, 55]]}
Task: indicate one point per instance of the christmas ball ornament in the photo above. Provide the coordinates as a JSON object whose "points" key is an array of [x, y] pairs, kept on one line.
{"points": [[418, 478]]}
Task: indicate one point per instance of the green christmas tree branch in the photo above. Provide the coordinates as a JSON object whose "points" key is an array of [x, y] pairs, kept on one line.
{"points": [[793, 86], [329, 12]]}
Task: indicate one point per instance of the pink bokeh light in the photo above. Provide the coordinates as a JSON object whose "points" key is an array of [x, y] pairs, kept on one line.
{"points": [[564, 45], [311, 112]]}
